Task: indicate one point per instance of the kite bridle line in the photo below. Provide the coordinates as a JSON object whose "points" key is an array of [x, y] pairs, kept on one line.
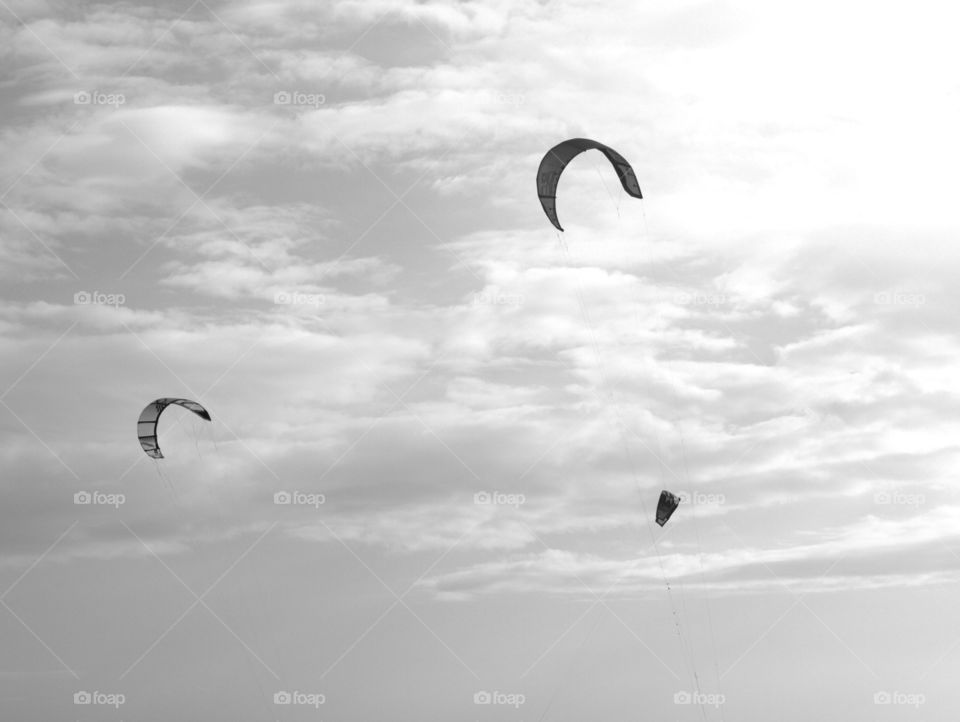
{"points": [[686, 648], [703, 584], [614, 200], [203, 558], [686, 645]]}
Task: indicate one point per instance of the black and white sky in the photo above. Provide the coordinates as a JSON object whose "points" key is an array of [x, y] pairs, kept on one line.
{"points": [[319, 220]]}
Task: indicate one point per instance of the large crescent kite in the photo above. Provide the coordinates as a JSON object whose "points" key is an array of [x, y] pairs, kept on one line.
{"points": [[147, 423], [557, 159]]}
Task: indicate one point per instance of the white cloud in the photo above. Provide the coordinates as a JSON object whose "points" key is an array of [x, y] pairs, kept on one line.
{"points": [[774, 323]]}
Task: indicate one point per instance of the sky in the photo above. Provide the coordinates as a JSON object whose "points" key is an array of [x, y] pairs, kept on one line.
{"points": [[440, 427]]}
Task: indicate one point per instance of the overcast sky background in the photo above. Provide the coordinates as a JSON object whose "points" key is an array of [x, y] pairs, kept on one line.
{"points": [[362, 288]]}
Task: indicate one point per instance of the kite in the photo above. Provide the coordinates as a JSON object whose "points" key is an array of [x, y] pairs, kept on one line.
{"points": [[147, 423], [557, 158], [666, 506]]}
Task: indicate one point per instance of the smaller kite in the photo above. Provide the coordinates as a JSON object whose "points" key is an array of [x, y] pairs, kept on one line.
{"points": [[666, 506], [147, 423]]}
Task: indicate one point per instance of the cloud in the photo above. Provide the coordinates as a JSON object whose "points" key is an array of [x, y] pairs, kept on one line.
{"points": [[869, 554], [754, 327]]}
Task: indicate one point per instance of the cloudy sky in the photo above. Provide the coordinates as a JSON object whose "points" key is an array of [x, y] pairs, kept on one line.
{"points": [[319, 220]]}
